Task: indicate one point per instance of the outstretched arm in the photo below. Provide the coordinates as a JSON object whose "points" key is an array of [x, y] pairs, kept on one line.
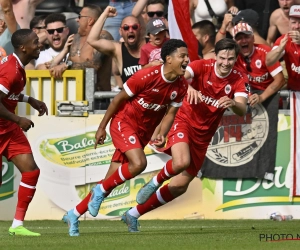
{"points": [[238, 104], [275, 54], [9, 16]]}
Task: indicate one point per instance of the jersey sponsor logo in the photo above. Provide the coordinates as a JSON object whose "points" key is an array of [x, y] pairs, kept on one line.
{"points": [[295, 68], [238, 139], [129, 71], [173, 95], [154, 106], [227, 89], [209, 100], [14, 97], [258, 79]]}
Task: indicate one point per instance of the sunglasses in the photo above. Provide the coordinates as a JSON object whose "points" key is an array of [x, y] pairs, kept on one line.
{"points": [[248, 61], [39, 28], [80, 16], [58, 30], [126, 27], [157, 13]]}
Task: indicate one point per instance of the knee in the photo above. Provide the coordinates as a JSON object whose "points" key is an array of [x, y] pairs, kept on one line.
{"points": [[178, 189], [180, 164], [139, 164]]}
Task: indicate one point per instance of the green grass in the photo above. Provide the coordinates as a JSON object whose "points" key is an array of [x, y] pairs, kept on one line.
{"points": [[155, 234]]}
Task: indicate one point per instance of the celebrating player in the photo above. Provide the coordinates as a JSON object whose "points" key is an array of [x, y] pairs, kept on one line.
{"points": [[150, 96], [222, 86], [13, 143]]}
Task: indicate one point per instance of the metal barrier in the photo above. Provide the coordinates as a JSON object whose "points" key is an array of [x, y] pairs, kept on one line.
{"points": [[40, 85]]}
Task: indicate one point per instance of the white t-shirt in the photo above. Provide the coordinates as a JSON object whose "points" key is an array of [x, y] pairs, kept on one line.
{"points": [[46, 56]]}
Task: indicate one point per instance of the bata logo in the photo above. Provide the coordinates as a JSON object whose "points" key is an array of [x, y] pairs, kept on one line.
{"points": [[258, 79], [237, 139], [154, 106], [295, 68], [14, 97]]}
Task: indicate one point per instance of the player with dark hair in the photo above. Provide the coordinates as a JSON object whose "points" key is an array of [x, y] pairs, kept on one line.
{"points": [[221, 86], [14, 144], [150, 96]]}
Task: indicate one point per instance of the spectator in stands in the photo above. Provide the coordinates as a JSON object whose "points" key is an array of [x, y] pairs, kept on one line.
{"points": [[37, 24], [124, 8], [57, 35], [125, 54], [205, 33], [199, 10], [150, 52], [287, 46], [264, 81], [8, 24], [279, 21], [82, 55], [24, 11], [264, 10]]}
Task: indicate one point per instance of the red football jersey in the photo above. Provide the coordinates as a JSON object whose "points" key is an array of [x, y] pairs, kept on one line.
{"points": [[12, 82], [150, 53], [261, 76], [205, 116], [151, 93], [292, 62]]}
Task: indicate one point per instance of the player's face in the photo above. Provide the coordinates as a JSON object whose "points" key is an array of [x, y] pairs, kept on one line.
{"points": [[285, 5], [225, 61], [130, 30], [246, 43], [179, 61], [57, 34], [294, 23], [33, 46]]}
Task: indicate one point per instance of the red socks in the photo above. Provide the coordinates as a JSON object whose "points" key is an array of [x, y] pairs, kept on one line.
{"points": [[166, 173], [161, 197], [26, 192], [118, 177]]}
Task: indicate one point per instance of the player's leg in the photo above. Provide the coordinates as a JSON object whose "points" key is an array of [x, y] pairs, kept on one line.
{"points": [[165, 194], [19, 152], [136, 164], [71, 217], [180, 161]]}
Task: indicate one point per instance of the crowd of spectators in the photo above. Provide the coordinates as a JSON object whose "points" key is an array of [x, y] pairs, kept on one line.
{"points": [[132, 39]]}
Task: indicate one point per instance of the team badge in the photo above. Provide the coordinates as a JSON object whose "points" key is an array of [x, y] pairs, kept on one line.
{"points": [[258, 64], [132, 139], [173, 95], [180, 135], [227, 89]]}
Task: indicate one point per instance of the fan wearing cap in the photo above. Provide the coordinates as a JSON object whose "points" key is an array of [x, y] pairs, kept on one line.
{"points": [[150, 52], [288, 47], [279, 20], [265, 81]]}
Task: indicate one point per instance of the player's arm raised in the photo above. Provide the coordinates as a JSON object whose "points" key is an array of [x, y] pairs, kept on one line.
{"points": [[275, 54]]}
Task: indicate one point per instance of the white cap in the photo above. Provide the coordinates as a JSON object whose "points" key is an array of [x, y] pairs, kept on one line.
{"points": [[295, 11]]}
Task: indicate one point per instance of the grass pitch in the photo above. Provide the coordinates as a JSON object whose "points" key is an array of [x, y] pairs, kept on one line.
{"points": [[157, 234]]}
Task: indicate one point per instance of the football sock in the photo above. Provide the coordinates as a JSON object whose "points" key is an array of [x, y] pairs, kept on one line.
{"points": [[118, 177], [25, 194], [159, 198], [165, 173], [82, 207]]}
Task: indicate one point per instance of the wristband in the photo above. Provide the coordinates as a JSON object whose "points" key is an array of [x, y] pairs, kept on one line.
{"points": [[222, 33], [25, 98]]}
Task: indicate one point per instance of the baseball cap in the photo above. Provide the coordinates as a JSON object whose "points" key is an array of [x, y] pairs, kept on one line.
{"points": [[248, 16], [242, 28], [156, 25], [295, 11]]}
